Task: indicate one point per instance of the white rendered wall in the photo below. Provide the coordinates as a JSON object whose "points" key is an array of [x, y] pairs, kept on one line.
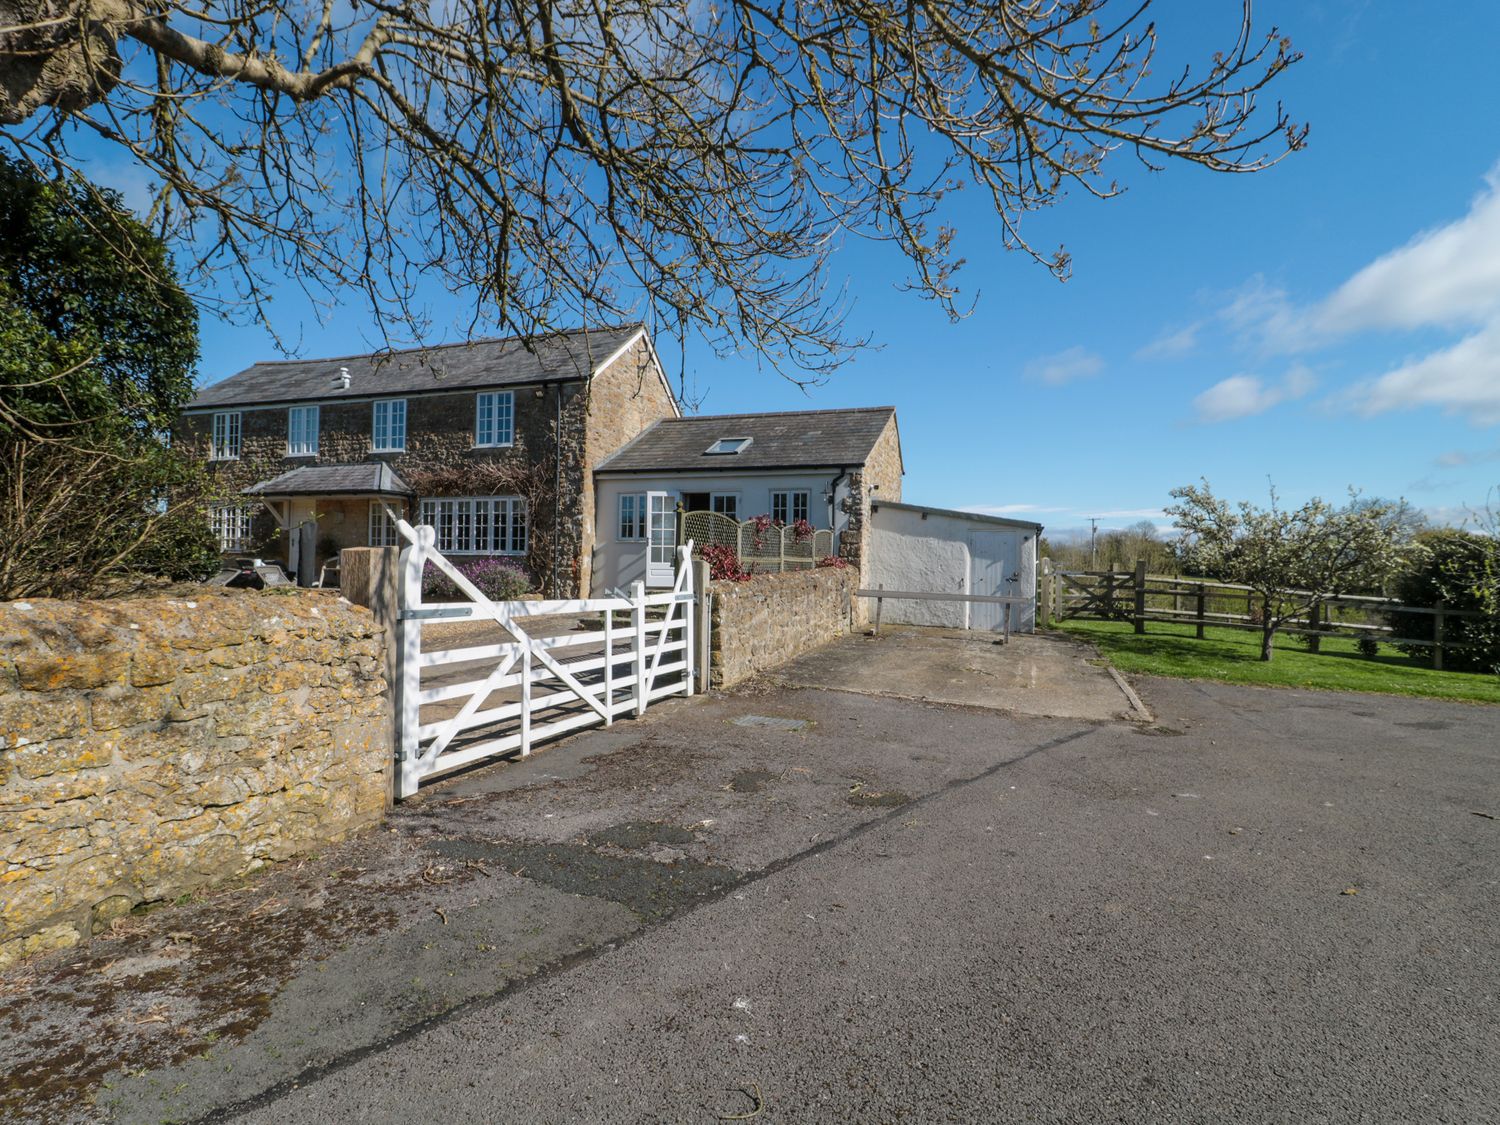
{"points": [[618, 563], [929, 552]]}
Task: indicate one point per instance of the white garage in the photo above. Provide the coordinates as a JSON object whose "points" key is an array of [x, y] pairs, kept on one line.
{"points": [[935, 550]]}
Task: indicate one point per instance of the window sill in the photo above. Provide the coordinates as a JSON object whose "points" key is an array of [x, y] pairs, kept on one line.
{"points": [[217, 460], [494, 445], [314, 453], [393, 449]]}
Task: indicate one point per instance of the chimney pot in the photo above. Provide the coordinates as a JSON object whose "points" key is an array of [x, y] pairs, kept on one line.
{"points": [[343, 379]]}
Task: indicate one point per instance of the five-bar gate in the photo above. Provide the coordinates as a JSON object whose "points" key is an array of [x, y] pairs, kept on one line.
{"points": [[457, 706]]}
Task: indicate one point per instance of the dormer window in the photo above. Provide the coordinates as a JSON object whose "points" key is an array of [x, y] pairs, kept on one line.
{"points": [[729, 445]]}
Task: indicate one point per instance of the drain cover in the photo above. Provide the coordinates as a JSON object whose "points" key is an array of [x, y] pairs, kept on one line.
{"points": [[770, 721]]}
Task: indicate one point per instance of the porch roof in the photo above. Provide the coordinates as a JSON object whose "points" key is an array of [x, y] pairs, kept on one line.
{"points": [[373, 478]]}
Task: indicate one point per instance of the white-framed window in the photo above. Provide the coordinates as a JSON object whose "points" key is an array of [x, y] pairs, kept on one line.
{"points": [[725, 503], [388, 425], [302, 431], [495, 418], [226, 436], [632, 516], [233, 526], [790, 506], [477, 525], [383, 531]]}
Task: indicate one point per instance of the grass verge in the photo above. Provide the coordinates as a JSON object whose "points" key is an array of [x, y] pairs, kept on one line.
{"points": [[1233, 656]]}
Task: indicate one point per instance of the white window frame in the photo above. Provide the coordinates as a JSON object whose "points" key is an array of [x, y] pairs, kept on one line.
{"points": [[787, 499], [383, 531], [729, 446], [489, 409], [733, 497], [224, 444], [388, 425], [233, 526], [302, 431], [478, 525], [631, 525]]}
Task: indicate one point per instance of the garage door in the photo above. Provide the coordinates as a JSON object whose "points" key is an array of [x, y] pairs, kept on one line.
{"points": [[994, 569]]}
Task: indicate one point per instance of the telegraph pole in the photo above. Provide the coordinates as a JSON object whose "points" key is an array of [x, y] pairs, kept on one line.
{"points": [[1093, 539]]}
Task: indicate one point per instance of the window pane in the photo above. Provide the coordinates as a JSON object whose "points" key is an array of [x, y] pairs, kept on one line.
{"points": [[778, 506]]}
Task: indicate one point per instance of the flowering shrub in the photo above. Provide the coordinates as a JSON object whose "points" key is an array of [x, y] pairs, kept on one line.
{"points": [[499, 579], [724, 564], [834, 562], [802, 531]]}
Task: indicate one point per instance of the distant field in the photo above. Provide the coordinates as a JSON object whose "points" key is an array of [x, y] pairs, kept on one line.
{"points": [[1233, 655]]}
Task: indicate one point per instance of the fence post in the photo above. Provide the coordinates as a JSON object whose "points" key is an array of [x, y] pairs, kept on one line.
{"points": [[409, 681], [1140, 596], [878, 603], [1109, 596], [609, 667], [638, 622], [1045, 601], [1437, 635], [1314, 622], [704, 609], [526, 698], [1202, 607]]}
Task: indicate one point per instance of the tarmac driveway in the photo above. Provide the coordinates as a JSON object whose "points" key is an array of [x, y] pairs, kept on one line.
{"points": [[821, 905]]}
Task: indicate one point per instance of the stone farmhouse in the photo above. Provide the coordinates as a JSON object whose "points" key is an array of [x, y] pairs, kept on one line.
{"points": [[571, 456]]}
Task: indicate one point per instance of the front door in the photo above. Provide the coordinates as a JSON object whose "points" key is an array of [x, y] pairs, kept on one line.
{"points": [[661, 537], [995, 571]]}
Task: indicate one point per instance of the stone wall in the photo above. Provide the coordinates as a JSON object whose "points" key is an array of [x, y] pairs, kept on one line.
{"points": [[878, 479], [151, 746], [773, 617]]}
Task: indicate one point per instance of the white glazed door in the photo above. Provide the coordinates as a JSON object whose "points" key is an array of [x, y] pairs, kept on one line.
{"points": [[661, 538]]}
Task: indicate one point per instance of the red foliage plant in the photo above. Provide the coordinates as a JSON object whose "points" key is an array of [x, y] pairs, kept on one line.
{"points": [[834, 562], [724, 564]]}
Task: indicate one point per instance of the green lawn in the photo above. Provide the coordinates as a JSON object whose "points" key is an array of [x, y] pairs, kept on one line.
{"points": [[1233, 655]]}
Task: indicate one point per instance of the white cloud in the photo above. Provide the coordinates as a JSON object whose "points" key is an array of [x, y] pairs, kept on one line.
{"points": [[1171, 345], [1007, 509], [1461, 458], [1443, 277], [1064, 367], [1241, 396], [1130, 514], [1463, 379]]}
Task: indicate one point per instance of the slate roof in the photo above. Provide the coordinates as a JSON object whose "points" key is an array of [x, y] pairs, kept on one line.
{"points": [[785, 440], [370, 478], [480, 363]]}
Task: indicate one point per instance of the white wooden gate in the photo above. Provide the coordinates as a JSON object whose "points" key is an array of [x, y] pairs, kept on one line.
{"points": [[526, 689]]}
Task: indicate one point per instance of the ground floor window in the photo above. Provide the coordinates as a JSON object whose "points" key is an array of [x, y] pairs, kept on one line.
{"points": [[383, 531], [233, 526], [789, 507], [633, 516], [482, 525], [725, 503]]}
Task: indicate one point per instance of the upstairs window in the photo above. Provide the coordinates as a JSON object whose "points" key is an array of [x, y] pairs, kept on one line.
{"points": [[226, 436], [729, 445], [633, 516], [495, 418], [388, 426], [302, 431], [790, 506]]}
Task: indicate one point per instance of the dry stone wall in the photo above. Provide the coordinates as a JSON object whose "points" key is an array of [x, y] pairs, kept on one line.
{"points": [[774, 617], [151, 746]]}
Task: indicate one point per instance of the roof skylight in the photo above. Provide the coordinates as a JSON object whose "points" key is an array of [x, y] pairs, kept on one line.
{"points": [[729, 445]]}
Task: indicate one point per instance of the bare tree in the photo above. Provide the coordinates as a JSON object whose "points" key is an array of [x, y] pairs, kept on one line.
{"points": [[571, 160]]}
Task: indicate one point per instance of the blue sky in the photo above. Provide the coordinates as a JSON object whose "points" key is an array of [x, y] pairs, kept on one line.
{"points": [[1334, 321]]}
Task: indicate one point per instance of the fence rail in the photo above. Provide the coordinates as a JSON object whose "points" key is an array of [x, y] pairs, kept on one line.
{"points": [[1139, 598], [761, 548]]}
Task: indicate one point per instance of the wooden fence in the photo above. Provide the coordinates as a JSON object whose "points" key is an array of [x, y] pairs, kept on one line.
{"points": [[1138, 597]]}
